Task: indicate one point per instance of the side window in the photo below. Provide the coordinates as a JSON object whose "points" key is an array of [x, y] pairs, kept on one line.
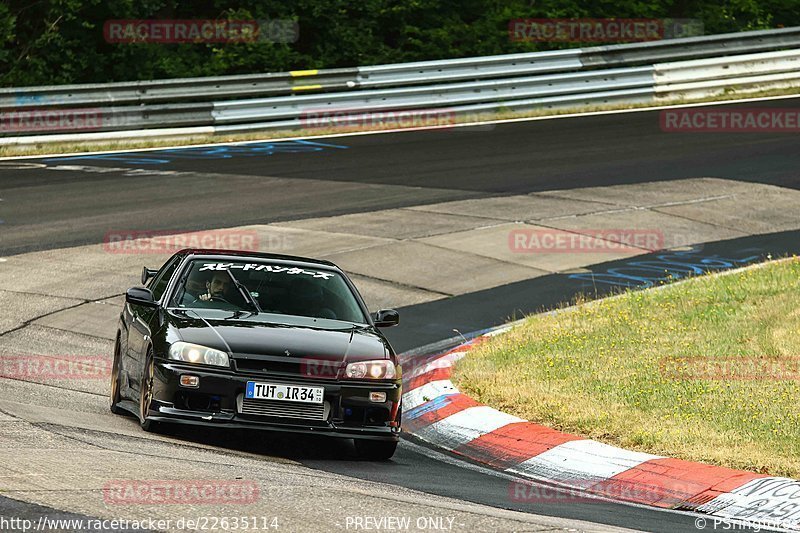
{"points": [[159, 283]]}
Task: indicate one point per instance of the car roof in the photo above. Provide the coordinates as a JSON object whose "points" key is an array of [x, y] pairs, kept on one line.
{"points": [[258, 255]]}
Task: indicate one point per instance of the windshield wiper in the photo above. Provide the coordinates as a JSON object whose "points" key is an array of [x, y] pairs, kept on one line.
{"points": [[244, 292]]}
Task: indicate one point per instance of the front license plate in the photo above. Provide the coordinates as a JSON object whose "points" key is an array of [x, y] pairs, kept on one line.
{"points": [[286, 393]]}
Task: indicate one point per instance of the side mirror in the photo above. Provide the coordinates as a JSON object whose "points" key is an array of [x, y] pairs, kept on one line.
{"points": [[386, 318], [140, 296], [147, 273]]}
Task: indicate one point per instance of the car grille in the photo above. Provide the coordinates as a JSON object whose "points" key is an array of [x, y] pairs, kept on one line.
{"points": [[306, 367], [296, 410], [287, 366]]}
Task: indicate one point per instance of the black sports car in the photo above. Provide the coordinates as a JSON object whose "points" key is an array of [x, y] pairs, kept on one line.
{"points": [[248, 340]]}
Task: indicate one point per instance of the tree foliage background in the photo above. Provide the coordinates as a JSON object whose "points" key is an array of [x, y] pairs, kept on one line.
{"points": [[44, 42]]}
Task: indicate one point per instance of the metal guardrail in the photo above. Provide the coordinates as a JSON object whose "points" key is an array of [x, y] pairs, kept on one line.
{"points": [[706, 46], [176, 90], [444, 96], [708, 77], [629, 73], [732, 67]]}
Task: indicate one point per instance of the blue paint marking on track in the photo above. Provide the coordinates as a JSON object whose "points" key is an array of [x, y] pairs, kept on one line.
{"points": [[162, 157], [428, 407], [664, 268]]}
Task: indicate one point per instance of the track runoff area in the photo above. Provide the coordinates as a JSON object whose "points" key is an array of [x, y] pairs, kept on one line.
{"points": [[381, 194]]}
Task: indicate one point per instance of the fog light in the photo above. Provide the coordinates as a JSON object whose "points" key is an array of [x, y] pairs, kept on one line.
{"points": [[378, 397], [190, 381]]}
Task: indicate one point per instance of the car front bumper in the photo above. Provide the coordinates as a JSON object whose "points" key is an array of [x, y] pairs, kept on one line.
{"points": [[217, 401]]}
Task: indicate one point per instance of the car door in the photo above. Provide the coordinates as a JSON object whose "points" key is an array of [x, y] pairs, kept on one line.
{"points": [[140, 319]]}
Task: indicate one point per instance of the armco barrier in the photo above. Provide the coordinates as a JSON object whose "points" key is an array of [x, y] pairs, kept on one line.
{"points": [[707, 46], [708, 77], [177, 90], [438, 96], [619, 74]]}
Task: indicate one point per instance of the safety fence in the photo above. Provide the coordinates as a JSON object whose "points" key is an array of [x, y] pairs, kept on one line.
{"points": [[426, 92]]}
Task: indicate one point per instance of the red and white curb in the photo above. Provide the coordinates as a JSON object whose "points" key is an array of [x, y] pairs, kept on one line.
{"points": [[436, 412]]}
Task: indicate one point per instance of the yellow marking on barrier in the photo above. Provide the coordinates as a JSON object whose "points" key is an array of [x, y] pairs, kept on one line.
{"points": [[297, 73], [306, 87]]}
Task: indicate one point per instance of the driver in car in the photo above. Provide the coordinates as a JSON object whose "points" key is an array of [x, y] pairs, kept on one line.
{"points": [[217, 287]]}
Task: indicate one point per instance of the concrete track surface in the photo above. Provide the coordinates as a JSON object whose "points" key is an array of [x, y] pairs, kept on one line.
{"points": [[422, 221]]}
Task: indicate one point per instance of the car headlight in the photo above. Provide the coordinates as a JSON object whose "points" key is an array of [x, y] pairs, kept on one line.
{"points": [[195, 353], [382, 369]]}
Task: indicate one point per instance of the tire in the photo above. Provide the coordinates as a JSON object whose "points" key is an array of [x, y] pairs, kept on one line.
{"points": [[375, 450], [115, 396], [146, 394]]}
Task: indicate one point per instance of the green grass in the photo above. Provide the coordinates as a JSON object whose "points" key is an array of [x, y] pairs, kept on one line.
{"points": [[633, 371]]}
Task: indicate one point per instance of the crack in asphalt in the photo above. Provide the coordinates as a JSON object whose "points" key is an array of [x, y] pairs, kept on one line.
{"points": [[29, 293], [503, 261], [53, 428], [555, 194], [690, 219], [50, 428], [52, 386], [30, 321], [401, 284], [53, 328], [690, 202]]}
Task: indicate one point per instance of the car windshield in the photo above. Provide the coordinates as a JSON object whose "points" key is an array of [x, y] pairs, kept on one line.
{"points": [[273, 287]]}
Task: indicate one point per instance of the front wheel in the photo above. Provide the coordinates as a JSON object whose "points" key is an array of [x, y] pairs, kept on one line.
{"points": [[115, 381], [146, 394], [375, 450]]}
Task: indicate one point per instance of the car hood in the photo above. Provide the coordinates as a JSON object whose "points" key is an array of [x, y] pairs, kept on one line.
{"points": [[267, 336]]}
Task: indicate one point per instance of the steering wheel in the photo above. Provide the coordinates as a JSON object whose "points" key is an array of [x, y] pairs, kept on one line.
{"points": [[326, 312], [213, 298]]}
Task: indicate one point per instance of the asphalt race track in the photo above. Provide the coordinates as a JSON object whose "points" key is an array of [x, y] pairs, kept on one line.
{"points": [[56, 202], [226, 185]]}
